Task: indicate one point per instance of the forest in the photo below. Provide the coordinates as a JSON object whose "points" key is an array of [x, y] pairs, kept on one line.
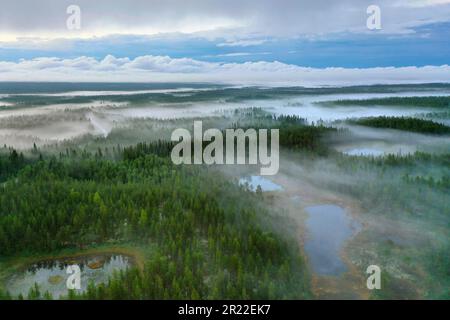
{"points": [[207, 241], [438, 102], [48, 94], [198, 232], [403, 123]]}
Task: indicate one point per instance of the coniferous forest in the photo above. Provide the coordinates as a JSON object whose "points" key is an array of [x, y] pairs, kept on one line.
{"points": [[206, 241], [223, 155], [112, 201]]}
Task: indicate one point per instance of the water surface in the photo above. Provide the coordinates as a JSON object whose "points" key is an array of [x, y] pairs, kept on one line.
{"points": [[329, 227], [254, 181], [51, 275], [364, 152]]}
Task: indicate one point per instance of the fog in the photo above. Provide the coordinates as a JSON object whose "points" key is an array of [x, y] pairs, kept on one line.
{"points": [[100, 117], [398, 220]]}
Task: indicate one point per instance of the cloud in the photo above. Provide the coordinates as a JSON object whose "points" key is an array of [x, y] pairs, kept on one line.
{"points": [[233, 19], [242, 43], [166, 64], [238, 54], [235, 54], [167, 69], [422, 3]]}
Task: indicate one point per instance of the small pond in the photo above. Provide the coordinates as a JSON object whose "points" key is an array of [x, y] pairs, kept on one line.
{"points": [[51, 275], [254, 181], [364, 152], [328, 227]]}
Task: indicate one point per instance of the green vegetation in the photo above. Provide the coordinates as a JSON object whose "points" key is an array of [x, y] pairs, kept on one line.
{"points": [[435, 115], [293, 136], [11, 164], [197, 233], [210, 241], [295, 133], [34, 95], [403, 123], [430, 102]]}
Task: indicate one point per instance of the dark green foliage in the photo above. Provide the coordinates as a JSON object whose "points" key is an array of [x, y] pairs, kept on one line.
{"points": [[296, 134], [209, 240], [403, 123], [9, 165], [417, 158], [304, 137], [294, 131], [431, 102], [161, 148]]}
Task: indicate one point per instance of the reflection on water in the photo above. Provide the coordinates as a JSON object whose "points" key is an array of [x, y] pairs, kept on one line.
{"points": [[253, 182], [329, 226], [51, 275], [364, 152]]}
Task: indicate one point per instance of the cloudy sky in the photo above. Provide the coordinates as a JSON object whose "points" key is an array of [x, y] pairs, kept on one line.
{"points": [[241, 41]]}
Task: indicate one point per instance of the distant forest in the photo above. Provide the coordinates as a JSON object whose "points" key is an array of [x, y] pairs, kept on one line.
{"points": [[431, 102], [403, 123]]}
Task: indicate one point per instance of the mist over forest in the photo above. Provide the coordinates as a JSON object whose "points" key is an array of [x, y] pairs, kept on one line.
{"points": [[86, 176]]}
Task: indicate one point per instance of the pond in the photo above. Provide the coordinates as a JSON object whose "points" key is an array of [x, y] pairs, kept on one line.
{"points": [[328, 227], [376, 149], [51, 275], [364, 152], [254, 181]]}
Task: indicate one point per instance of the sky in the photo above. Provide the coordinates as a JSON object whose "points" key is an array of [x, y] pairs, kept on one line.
{"points": [[281, 42]]}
